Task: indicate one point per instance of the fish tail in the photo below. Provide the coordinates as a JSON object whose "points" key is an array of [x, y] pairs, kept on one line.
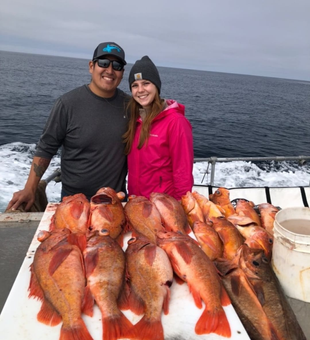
{"points": [[213, 322], [118, 327], [78, 331], [149, 330]]}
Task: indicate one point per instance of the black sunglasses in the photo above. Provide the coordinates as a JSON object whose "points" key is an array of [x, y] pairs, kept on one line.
{"points": [[105, 63]]}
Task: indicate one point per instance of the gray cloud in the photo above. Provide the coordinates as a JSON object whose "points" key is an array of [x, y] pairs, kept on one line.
{"points": [[269, 38]]}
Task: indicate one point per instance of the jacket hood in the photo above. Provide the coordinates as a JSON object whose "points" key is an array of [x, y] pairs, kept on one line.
{"points": [[171, 105]]}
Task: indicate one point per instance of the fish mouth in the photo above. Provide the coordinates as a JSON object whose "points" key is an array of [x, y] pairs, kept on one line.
{"points": [[101, 199]]}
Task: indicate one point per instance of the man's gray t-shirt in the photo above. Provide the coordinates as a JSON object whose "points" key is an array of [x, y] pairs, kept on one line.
{"points": [[89, 129]]}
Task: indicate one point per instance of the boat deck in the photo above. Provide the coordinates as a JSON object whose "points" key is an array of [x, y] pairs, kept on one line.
{"points": [[16, 233], [18, 230]]}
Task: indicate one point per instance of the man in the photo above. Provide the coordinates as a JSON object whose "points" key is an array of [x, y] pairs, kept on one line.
{"points": [[87, 123]]}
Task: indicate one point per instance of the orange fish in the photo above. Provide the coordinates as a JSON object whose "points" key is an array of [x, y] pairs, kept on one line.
{"points": [[58, 280], [209, 209], [208, 239], [245, 208], [270, 294], [149, 275], [72, 213], [171, 211], [143, 217], [244, 299], [107, 212], [222, 197], [230, 236], [257, 237], [105, 272], [191, 208], [267, 215], [192, 265]]}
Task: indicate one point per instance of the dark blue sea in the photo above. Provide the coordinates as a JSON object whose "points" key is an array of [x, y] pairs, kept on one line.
{"points": [[232, 115]]}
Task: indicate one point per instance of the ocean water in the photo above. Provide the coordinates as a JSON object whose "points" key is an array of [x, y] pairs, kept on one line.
{"points": [[232, 116]]}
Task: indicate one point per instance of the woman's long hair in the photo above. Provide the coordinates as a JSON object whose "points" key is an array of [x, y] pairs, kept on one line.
{"points": [[134, 107]]}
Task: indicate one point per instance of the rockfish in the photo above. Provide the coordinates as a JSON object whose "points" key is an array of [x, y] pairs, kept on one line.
{"points": [[208, 208], [149, 276], [193, 266], [105, 272], [257, 237], [245, 208], [221, 197], [191, 208], [208, 239], [107, 212], [244, 299], [254, 235], [58, 279], [267, 216], [171, 211], [270, 294], [72, 213], [230, 236], [143, 217]]}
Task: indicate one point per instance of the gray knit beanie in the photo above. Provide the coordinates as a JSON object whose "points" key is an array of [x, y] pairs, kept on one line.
{"points": [[144, 69]]}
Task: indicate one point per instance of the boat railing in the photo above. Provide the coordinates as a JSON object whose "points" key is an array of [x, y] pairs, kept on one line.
{"points": [[213, 160]]}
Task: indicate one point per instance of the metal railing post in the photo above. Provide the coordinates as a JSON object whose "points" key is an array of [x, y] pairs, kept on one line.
{"points": [[212, 161]]}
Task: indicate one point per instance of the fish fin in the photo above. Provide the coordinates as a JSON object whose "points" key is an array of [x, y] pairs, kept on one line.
{"points": [[196, 296], [88, 302], [120, 240], [60, 255], [127, 227], [213, 322], [209, 243], [135, 304], [78, 239], [117, 327], [235, 284], [52, 225], [123, 299], [221, 209], [178, 279], [185, 252], [225, 266], [166, 301], [147, 330], [259, 291], [91, 260], [225, 300], [34, 288], [150, 254], [48, 315], [188, 229], [77, 332]]}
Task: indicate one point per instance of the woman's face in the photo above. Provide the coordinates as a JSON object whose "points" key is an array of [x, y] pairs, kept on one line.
{"points": [[143, 92]]}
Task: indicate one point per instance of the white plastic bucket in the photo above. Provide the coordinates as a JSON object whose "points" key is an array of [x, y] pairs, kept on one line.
{"points": [[291, 251]]}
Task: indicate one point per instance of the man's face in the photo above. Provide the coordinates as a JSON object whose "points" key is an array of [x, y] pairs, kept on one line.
{"points": [[105, 80]]}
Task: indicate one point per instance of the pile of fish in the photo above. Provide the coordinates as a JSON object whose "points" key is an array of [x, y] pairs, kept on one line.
{"points": [[221, 249]]}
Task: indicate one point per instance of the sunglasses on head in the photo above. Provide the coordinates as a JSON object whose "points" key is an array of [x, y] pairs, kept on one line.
{"points": [[105, 63]]}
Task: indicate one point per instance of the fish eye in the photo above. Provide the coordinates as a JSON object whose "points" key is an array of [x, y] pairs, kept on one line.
{"points": [[132, 240]]}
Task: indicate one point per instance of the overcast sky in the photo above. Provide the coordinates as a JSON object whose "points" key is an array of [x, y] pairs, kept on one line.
{"points": [[257, 37]]}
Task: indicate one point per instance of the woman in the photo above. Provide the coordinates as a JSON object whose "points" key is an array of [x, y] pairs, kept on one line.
{"points": [[159, 141]]}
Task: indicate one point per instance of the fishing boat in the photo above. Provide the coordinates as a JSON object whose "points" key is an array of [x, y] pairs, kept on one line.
{"points": [[18, 244]]}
